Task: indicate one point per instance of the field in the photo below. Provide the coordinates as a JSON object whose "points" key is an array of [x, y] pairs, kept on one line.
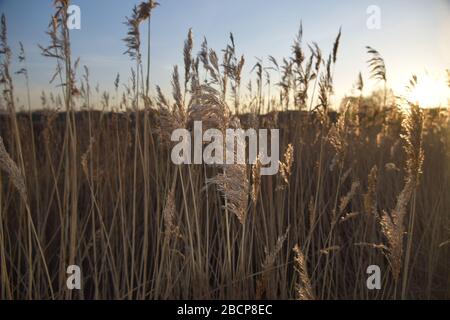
{"points": [[94, 185]]}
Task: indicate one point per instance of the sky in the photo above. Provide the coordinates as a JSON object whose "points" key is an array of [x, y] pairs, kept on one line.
{"points": [[414, 36]]}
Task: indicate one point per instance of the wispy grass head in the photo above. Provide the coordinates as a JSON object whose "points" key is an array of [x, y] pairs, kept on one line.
{"points": [[133, 39], [376, 64]]}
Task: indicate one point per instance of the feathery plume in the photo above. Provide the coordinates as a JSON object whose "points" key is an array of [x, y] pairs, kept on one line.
{"points": [[233, 184], [336, 45], [370, 204], [10, 167], [392, 225], [360, 83], [85, 157], [376, 64], [327, 251], [345, 200], [145, 9], [256, 179], [286, 165], [133, 38], [303, 287], [187, 53], [170, 226], [269, 263]]}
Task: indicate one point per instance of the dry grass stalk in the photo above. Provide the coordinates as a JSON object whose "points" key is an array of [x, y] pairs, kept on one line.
{"points": [[377, 65], [286, 166], [345, 200], [210, 108], [393, 225], [5, 74], [133, 39], [171, 117], [393, 229], [327, 251], [372, 245], [391, 167], [85, 157], [349, 216], [233, 184], [303, 288], [145, 9], [15, 175], [268, 264], [187, 53], [256, 180], [169, 215], [377, 69], [370, 204], [339, 137], [137, 255]]}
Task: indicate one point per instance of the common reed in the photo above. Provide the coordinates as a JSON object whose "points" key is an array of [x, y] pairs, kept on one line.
{"points": [[13, 171], [303, 288], [393, 225], [286, 165], [83, 184]]}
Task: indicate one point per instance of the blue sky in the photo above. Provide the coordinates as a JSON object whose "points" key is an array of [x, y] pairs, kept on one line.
{"points": [[414, 35]]}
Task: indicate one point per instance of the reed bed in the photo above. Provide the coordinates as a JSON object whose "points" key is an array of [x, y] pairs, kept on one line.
{"points": [[94, 185]]}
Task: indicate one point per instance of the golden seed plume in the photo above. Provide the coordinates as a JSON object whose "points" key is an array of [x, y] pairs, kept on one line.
{"points": [[256, 179], [15, 175], [170, 226], [370, 204], [329, 250], [393, 225], [268, 264], [286, 166], [303, 287]]}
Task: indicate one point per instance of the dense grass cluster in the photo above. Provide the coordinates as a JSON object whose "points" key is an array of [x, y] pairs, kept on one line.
{"points": [[362, 186]]}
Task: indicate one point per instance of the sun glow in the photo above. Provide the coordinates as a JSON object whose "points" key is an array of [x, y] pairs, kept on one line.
{"points": [[429, 92]]}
